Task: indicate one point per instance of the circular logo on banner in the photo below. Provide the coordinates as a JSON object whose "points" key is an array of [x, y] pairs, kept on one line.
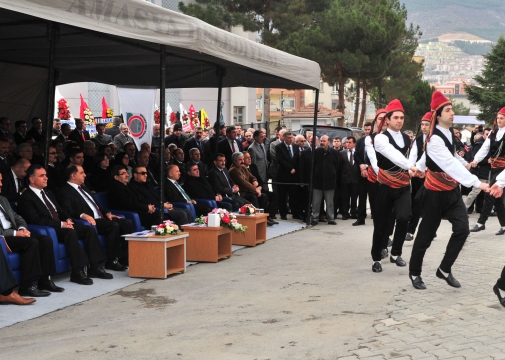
{"points": [[137, 125]]}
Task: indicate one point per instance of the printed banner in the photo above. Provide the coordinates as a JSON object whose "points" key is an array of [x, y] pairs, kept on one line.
{"points": [[137, 107]]}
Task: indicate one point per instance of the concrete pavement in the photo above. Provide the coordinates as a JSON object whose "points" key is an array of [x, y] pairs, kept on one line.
{"points": [[306, 295]]}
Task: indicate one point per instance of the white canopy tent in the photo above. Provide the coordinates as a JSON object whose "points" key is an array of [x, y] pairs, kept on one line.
{"points": [[470, 120]]}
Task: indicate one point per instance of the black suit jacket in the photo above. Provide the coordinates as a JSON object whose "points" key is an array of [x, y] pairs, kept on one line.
{"points": [[34, 211], [18, 138], [76, 136], [190, 144], [146, 192], [199, 188], [36, 136], [350, 174], [359, 153], [9, 186], [121, 197], [172, 193], [286, 163], [218, 181], [253, 169], [74, 204], [225, 149]]}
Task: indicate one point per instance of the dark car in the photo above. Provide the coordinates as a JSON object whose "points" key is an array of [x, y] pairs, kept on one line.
{"points": [[333, 131]]}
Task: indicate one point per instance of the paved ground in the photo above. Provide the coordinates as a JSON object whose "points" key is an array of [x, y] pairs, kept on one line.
{"points": [[307, 295]]}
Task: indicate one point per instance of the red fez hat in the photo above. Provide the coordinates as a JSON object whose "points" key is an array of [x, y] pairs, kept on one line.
{"points": [[502, 111], [427, 117], [394, 105], [380, 111], [438, 100]]}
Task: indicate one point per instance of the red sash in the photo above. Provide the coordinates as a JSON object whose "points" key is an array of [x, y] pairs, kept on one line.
{"points": [[393, 179], [439, 181], [498, 163], [371, 175]]}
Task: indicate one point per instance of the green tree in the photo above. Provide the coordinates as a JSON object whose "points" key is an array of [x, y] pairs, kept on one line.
{"points": [[417, 104], [459, 108], [489, 93]]}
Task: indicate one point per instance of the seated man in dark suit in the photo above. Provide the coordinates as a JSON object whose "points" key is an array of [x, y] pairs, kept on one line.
{"points": [[7, 284], [178, 159], [79, 134], [194, 142], [229, 145], [36, 252], [6, 159], [143, 160], [78, 202], [195, 158], [39, 206], [198, 187], [21, 130], [145, 190], [14, 180], [221, 182], [175, 192], [122, 197]]}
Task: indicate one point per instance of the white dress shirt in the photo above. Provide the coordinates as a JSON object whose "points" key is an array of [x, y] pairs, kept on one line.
{"points": [[484, 149], [349, 152], [386, 149], [90, 204], [16, 183], [444, 159], [370, 152], [500, 179], [6, 224], [413, 152]]}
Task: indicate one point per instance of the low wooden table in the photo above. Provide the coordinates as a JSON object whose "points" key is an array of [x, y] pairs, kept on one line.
{"points": [[156, 256], [207, 244], [256, 232]]}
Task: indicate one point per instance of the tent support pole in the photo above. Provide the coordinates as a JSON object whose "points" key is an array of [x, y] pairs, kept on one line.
{"points": [[51, 34], [163, 79], [312, 155], [217, 125]]}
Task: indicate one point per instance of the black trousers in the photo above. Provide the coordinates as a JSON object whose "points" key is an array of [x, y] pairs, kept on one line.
{"points": [[372, 189], [7, 279], [113, 229], [435, 206], [303, 196], [362, 195], [229, 203], [78, 257], [417, 184], [36, 255], [490, 201], [259, 202], [350, 195], [273, 202], [283, 192], [389, 199], [179, 216], [501, 280]]}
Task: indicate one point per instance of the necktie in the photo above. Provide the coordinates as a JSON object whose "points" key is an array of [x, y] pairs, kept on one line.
{"points": [[83, 137], [91, 200], [233, 146], [290, 152], [262, 149], [182, 191], [226, 177], [50, 207], [351, 160], [20, 184]]}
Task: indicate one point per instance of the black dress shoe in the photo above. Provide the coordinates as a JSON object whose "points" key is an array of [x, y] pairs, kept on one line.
{"points": [[409, 237], [322, 220], [99, 272], [493, 214], [399, 261], [358, 223], [33, 291], [314, 222], [390, 242], [272, 221], [49, 286], [384, 253], [284, 218], [477, 228], [332, 222], [450, 279], [79, 277], [418, 282], [496, 290], [377, 267], [500, 232], [115, 265]]}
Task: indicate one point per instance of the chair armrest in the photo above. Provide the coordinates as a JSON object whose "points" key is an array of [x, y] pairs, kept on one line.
{"points": [[207, 202], [183, 205]]}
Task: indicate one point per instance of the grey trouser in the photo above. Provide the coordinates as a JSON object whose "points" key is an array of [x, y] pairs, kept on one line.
{"points": [[473, 194], [317, 197]]}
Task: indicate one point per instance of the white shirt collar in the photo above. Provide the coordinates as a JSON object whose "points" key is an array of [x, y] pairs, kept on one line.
{"points": [[394, 133], [446, 132], [75, 186], [36, 191]]}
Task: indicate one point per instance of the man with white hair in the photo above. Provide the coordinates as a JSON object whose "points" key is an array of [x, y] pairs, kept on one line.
{"points": [[122, 138]]}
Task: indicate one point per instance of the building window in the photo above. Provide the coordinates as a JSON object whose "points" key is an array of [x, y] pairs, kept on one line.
{"points": [[259, 104], [334, 89], [238, 115], [289, 103], [321, 87]]}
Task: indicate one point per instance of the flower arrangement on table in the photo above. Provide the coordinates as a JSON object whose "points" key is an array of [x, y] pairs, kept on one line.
{"points": [[247, 210], [63, 111], [110, 113], [167, 228], [228, 220]]}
